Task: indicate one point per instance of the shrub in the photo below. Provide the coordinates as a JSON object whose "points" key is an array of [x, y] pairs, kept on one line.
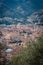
{"points": [[32, 55]]}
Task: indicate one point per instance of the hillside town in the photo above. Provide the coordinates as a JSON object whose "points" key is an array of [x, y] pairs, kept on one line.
{"points": [[17, 36]]}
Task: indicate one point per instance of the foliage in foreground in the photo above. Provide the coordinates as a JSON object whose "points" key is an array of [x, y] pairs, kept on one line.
{"points": [[32, 55], [2, 53]]}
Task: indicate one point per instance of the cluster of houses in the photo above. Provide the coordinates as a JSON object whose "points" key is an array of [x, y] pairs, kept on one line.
{"points": [[16, 36]]}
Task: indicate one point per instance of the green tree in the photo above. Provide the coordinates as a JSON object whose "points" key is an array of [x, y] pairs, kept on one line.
{"points": [[32, 55]]}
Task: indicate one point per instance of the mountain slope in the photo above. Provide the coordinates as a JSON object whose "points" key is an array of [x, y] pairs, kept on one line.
{"points": [[35, 17]]}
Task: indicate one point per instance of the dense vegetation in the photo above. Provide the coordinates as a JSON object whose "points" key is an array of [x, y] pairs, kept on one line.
{"points": [[32, 55], [2, 54]]}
